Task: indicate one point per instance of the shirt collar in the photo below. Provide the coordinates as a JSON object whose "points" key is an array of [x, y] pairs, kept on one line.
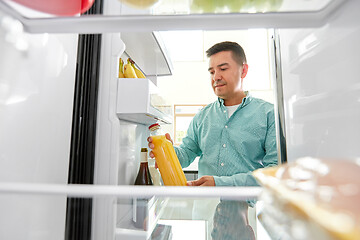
{"points": [[246, 100]]}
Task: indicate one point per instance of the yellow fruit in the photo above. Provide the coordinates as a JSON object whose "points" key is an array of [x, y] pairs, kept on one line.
{"points": [[138, 73], [129, 71], [121, 66], [140, 3]]}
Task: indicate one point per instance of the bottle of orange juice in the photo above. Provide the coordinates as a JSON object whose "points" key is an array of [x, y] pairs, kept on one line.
{"points": [[166, 158]]}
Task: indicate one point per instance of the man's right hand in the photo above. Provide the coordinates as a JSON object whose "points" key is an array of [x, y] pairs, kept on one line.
{"points": [[151, 145], [203, 181]]}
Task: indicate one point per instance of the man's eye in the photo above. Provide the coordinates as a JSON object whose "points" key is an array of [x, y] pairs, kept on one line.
{"points": [[223, 69], [211, 73]]}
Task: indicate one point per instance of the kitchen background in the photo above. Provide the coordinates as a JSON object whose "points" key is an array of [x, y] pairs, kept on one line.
{"points": [[189, 89]]}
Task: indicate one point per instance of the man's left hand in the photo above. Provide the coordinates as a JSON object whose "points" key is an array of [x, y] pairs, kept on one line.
{"points": [[203, 181]]}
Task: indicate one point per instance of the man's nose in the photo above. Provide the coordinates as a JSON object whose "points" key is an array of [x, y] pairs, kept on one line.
{"points": [[216, 76]]}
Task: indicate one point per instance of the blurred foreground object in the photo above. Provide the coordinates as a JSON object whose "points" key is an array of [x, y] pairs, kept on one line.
{"points": [[221, 6], [58, 7], [142, 4], [312, 199]]}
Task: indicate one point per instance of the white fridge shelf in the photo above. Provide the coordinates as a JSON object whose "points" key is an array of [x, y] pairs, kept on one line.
{"points": [[129, 192], [125, 228], [139, 101]]}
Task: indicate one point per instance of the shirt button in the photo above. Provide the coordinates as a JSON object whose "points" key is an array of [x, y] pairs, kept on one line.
{"points": [[224, 111], [226, 126], [224, 145], [222, 164]]}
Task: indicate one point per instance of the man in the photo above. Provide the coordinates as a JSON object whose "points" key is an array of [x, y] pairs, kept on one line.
{"points": [[235, 134]]}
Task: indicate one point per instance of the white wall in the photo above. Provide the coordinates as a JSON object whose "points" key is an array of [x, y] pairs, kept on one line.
{"points": [[190, 82], [37, 75]]}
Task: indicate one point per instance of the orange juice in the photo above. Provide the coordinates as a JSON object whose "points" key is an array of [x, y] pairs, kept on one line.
{"points": [[168, 162]]}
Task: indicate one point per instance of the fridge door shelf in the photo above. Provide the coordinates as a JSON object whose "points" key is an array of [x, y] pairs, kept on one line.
{"points": [[139, 101], [154, 59], [154, 208]]}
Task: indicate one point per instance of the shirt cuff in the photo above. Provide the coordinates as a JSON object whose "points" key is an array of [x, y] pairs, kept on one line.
{"points": [[223, 181], [235, 180]]}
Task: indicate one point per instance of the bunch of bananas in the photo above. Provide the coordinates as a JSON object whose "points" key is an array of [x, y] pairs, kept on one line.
{"points": [[129, 70]]}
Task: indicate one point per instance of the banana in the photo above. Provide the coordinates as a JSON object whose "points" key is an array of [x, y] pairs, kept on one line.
{"points": [[121, 67], [139, 74], [129, 71]]}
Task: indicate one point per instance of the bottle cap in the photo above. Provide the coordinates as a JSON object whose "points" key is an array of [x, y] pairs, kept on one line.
{"points": [[154, 126], [144, 150]]}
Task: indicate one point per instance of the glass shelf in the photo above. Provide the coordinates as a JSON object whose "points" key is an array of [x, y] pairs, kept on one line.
{"points": [[114, 208], [119, 16], [180, 7]]}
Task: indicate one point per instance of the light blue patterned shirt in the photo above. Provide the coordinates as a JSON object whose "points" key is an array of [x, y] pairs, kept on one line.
{"points": [[231, 148]]}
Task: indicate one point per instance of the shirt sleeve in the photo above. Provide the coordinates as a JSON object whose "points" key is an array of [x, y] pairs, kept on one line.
{"points": [[189, 149], [271, 154], [240, 179], [270, 159]]}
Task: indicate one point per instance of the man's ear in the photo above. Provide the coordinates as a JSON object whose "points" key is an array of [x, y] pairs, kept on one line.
{"points": [[245, 68]]}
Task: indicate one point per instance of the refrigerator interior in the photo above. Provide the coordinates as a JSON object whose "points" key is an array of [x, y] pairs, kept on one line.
{"points": [[320, 79]]}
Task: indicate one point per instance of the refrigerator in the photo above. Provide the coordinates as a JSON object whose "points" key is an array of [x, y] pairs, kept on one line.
{"points": [[71, 130]]}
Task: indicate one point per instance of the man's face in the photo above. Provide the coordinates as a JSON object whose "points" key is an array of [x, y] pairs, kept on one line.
{"points": [[226, 75]]}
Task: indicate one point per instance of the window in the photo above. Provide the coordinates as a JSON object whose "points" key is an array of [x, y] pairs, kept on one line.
{"points": [[183, 114]]}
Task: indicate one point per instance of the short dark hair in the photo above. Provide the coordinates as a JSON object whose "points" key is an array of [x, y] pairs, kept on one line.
{"points": [[237, 51]]}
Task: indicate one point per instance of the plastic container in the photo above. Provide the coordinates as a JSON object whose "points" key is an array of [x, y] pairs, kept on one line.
{"points": [[155, 173], [166, 158]]}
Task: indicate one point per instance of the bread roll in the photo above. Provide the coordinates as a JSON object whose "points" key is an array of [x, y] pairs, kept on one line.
{"points": [[325, 191]]}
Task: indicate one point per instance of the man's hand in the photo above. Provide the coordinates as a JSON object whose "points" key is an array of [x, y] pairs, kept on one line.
{"points": [[203, 181], [151, 145]]}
